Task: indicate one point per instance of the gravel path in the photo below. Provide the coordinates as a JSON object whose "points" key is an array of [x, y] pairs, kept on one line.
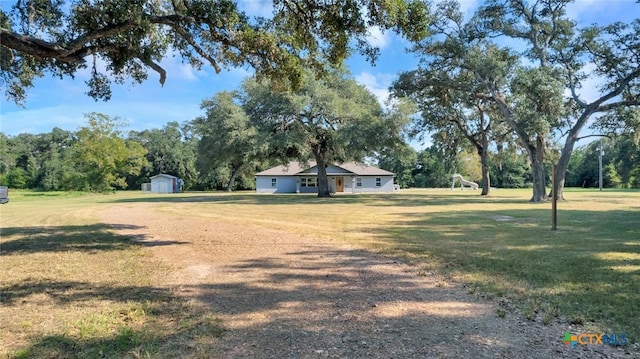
{"points": [[282, 295]]}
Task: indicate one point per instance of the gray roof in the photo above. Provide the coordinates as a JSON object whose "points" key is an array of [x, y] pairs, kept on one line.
{"points": [[162, 175], [294, 168]]}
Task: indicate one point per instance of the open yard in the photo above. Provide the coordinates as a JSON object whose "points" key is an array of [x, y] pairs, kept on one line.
{"points": [[418, 273]]}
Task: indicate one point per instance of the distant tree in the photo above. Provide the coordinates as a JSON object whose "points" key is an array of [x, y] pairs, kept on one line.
{"points": [[7, 159], [626, 160], [53, 159], [401, 160], [22, 164], [36, 160], [434, 168], [621, 156], [450, 85], [168, 151], [229, 143], [131, 37], [572, 177], [102, 157], [17, 178], [509, 167]]}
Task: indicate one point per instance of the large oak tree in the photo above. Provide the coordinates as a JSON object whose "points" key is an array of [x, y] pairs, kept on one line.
{"points": [[229, 143], [453, 82], [325, 120], [576, 58], [131, 37]]}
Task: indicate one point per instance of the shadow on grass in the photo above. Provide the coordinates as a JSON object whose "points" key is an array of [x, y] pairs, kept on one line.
{"points": [[97, 237], [317, 302], [589, 268], [347, 303], [127, 343], [145, 321], [65, 292], [435, 198]]}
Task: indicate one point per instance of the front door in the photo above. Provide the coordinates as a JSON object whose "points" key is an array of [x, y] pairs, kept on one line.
{"points": [[339, 184]]}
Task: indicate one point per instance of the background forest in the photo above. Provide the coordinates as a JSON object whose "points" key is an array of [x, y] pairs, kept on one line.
{"points": [[100, 157]]}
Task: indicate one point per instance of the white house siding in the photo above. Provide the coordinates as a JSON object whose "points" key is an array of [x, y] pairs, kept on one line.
{"points": [[289, 178], [369, 184], [285, 184]]}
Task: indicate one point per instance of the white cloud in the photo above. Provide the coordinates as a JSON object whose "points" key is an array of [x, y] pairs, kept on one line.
{"points": [[33, 121], [376, 37], [378, 84], [176, 69]]}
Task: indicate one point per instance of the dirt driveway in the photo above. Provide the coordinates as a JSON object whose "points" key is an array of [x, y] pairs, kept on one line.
{"points": [[282, 295]]}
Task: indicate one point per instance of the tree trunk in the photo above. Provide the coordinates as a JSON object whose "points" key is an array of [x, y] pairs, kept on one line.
{"points": [[232, 178], [567, 150], [484, 160], [535, 152], [538, 171], [563, 163], [486, 181], [323, 182]]}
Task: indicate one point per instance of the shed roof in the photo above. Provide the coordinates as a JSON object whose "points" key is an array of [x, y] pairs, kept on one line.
{"points": [[294, 168], [163, 175]]}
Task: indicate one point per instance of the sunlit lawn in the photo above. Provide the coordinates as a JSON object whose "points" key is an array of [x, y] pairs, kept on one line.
{"points": [[67, 281], [70, 288]]}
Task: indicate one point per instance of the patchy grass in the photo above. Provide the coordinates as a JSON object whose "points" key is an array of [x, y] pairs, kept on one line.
{"points": [[70, 287], [588, 271]]}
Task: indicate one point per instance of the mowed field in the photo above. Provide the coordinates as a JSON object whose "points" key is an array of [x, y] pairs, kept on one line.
{"points": [[69, 284]]}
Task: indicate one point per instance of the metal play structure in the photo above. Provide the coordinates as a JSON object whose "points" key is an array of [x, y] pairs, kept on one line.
{"points": [[463, 182]]}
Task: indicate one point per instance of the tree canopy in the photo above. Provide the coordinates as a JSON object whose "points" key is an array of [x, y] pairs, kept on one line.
{"points": [[102, 157], [534, 89], [133, 37], [326, 120], [229, 142], [572, 57]]}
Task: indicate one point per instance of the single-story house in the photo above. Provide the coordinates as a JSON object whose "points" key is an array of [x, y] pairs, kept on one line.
{"points": [[164, 183], [350, 177]]}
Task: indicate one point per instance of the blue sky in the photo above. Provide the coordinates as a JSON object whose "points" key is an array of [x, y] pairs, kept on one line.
{"points": [[62, 103]]}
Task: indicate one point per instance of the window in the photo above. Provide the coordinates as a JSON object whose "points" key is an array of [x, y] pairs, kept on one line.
{"points": [[307, 182], [311, 182], [274, 182], [378, 182], [358, 182]]}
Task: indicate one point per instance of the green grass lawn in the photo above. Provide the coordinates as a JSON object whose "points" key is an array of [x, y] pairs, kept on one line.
{"points": [[68, 282]]}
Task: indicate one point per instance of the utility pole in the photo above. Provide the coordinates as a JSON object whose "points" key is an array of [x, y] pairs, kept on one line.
{"points": [[601, 152]]}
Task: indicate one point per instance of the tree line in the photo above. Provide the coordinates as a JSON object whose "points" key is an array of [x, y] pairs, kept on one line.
{"points": [[511, 79], [101, 157]]}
